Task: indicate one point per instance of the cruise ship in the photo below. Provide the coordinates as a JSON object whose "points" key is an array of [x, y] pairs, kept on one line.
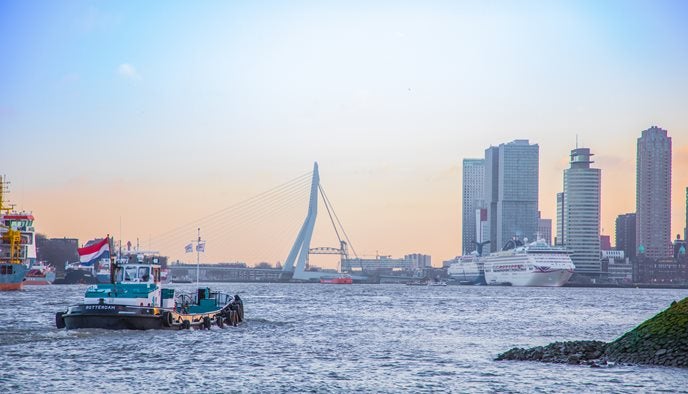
{"points": [[467, 270], [534, 264]]}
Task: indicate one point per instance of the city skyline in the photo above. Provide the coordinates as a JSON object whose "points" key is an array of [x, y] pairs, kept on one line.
{"points": [[154, 117]]}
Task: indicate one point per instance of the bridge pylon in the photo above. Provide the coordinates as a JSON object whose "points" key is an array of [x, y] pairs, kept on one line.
{"points": [[295, 264]]}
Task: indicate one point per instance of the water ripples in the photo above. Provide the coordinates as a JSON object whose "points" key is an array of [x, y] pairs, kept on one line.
{"points": [[327, 338]]}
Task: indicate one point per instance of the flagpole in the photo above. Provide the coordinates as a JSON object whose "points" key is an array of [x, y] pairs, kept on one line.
{"points": [[198, 258]]}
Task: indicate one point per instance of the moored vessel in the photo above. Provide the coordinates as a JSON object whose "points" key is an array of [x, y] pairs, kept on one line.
{"points": [[534, 264], [40, 274], [17, 243], [75, 273], [340, 280], [467, 270], [135, 300]]}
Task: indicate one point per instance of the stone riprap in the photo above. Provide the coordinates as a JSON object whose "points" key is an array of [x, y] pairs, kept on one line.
{"points": [[661, 340]]}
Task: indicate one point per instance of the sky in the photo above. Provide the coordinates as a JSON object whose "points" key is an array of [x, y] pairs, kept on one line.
{"points": [[139, 118]]}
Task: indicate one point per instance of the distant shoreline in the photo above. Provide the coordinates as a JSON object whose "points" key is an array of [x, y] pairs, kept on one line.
{"points": [[630, 285], [596, 285]]}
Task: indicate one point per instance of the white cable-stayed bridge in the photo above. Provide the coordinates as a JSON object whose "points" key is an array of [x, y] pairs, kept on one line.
{"points": [[268, 226]]}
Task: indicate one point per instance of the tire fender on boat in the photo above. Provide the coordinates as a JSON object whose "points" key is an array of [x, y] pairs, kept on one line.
{"points": [[206, 322], [219, 319], [240, 311], [186, 324], [59, 320], [167, 319]]}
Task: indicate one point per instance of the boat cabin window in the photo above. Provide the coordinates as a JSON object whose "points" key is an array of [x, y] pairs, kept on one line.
{"points": [[144, 274], [130, 274], [135, 273]]}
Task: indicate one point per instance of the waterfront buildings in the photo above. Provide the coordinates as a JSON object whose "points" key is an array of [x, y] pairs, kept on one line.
{"points": [[625, 234], [616, 266], [581, 227], [685, 229], [472, 199], [419, 261], [605, 242], [667, 270], [653, 193], [57, 251], [679, 247], [545, 229], [511, 191], [379, 264]]}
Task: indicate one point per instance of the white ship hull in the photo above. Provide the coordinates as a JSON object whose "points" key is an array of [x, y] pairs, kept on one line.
{"points": [[553, 278], [534, 265]]}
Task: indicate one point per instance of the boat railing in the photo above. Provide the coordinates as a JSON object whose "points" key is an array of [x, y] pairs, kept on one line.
{"points": [[221, 298], [184, 299]]}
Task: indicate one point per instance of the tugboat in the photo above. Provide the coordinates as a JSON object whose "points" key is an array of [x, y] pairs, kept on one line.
{"points": [[135, 300]]}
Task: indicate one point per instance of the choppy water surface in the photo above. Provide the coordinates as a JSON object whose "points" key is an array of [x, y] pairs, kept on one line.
{"points": [[337, 338]]}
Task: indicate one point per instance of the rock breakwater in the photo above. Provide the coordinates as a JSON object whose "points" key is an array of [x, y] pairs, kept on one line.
{"points": [[661, 340]]}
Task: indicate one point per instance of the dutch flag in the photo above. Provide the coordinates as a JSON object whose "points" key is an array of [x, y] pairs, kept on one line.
{"points": [[90, 254]]}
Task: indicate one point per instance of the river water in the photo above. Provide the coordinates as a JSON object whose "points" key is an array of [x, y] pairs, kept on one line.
{"points": [[337, 338]]}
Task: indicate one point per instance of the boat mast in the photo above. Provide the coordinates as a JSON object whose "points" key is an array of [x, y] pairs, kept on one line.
{"points": [[4, 188], [198, 257]]}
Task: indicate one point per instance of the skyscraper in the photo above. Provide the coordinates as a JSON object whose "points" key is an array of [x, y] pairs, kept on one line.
{"points": [[559, 238], [473, 189], [491, 194], [625, 234], [653, 193], [581, 228], [511, 191]]}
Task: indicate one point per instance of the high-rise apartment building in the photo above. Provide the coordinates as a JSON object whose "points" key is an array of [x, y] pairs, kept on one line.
{"points": [[559, 238], [472, 199], [511, 191], [625, 234], [653, 193], [582, 185], [491, 194]]}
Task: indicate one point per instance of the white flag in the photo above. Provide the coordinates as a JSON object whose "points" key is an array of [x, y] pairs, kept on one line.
{"points": [[188, 248], [200, 247]]}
